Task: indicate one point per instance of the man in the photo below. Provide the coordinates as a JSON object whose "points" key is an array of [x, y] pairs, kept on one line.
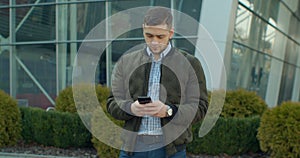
{"points": [[175, 82]]}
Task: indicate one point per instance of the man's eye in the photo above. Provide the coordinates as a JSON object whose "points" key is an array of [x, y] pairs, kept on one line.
{"points": [[161, 36], [150, 36]]}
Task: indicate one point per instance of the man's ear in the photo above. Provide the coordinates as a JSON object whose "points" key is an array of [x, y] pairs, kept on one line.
{"points": [[171, 33], [143, 27]]}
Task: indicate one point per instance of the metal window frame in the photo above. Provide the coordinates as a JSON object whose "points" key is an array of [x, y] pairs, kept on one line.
{"points": [[63, 9]]}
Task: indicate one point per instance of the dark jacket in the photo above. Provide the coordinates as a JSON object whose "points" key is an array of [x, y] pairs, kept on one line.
{"points": [[183, 87]]}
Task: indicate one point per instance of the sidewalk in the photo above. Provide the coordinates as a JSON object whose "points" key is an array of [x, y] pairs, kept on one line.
{"points": [[17, 155]]}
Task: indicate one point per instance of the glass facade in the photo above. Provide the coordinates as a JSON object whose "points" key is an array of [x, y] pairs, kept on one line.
{"points": [[266, 48], [39, 40]]}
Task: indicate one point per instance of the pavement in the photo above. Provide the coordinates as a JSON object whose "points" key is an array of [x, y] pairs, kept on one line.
{"points": [[17, 155]]}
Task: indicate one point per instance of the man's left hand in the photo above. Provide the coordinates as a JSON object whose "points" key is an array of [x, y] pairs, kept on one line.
{"points": [[156, 108]]}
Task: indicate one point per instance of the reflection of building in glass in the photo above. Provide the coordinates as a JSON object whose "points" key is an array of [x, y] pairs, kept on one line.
{"points": [[39, 39]]}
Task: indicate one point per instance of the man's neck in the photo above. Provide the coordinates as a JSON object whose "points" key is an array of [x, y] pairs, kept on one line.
{"points": [[163, 53], [156, 56]]}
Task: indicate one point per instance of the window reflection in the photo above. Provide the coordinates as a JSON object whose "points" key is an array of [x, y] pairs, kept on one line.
{"points": [[246, 2], [269, 38], [255, 36], [249, 69], [242, 24], [33, 1], [88, 16], [287, 83], [35, 23], [4, 24], [4, 67], [36, 66]]}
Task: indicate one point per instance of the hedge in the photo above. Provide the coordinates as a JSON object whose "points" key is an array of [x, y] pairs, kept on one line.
{"points": [[54, 128], [279, 131], [229, 135], [238, 103], [10, 120], [232, 136]]}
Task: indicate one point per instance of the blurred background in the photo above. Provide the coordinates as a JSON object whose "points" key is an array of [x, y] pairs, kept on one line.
{"points": [[259, 42]]}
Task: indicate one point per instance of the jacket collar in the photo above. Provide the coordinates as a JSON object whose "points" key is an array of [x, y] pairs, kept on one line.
{"points": [[163, 54]]}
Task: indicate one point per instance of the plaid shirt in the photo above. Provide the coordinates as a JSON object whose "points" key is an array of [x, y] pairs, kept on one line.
{"points": [[151, 125]]}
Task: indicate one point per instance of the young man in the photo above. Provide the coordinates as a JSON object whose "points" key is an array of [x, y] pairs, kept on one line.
{"points": [[175, 82]]}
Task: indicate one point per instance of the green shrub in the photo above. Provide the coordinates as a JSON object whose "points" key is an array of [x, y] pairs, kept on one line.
{"points": [[216, 101], [54, 128], [236, 129], [10, 120], [104, 150], [229, 135], [65, 102], [241, 103], [36, 126], [279, 131]]}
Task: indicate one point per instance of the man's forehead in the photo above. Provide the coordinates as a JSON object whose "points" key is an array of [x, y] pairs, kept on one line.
{"points": [[162, 27]]}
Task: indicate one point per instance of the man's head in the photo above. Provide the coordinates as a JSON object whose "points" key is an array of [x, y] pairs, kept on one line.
{"points": [[157, 28], [158, 16]]}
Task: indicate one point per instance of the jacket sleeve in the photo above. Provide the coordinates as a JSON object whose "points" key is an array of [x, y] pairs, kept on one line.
{"points": [[203, 102], [118, 105], [195, 104]]}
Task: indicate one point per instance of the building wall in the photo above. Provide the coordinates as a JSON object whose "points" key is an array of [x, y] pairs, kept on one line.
{"points": [[266, 49], [40, 40], [258, 42], [218, 21]]}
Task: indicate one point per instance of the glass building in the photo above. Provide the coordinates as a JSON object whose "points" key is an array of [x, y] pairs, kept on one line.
{"points": [[259, 42]]}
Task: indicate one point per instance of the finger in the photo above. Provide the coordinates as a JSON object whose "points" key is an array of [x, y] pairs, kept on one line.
{"points": [[140, 106], [151, 112], [153, 106]]}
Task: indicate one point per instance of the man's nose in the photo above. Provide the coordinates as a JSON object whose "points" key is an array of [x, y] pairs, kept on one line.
{"points": [[154, 42]]}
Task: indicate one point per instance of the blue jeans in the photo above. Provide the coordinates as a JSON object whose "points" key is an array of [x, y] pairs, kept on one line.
{"points": [[154, 148], [158, 153]]}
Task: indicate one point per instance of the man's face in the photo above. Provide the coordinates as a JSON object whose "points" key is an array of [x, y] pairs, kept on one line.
{"points": [[157, 37]]}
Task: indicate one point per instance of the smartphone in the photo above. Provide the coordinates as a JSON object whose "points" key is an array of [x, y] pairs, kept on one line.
{"points": [[144, 99]]}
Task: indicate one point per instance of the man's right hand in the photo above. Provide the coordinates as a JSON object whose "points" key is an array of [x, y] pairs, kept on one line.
{"points": [[155, 108], [137, 108]]}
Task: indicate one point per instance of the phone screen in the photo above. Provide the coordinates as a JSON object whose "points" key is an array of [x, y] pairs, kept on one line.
{"points": [[144, 99]]}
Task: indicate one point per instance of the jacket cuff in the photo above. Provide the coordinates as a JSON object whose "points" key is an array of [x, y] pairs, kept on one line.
{"points": [[127, 108], [174, 109]]}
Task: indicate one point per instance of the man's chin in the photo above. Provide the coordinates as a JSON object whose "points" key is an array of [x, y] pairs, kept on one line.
{"points": [[156, 51]]}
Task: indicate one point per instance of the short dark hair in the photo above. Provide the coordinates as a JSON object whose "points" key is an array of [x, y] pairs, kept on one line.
{"points": [[158, 16]]}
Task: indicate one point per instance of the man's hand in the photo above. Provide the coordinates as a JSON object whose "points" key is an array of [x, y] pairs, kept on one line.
{"points": [[155, 108], [138, 109]]}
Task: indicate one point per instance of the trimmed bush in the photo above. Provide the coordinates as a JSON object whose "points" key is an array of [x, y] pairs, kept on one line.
{"points": [[236, 129], [54, 128], [65, 102], [279, 131], [104, 150], [241, 103], [229, 135], [10, 120]]}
